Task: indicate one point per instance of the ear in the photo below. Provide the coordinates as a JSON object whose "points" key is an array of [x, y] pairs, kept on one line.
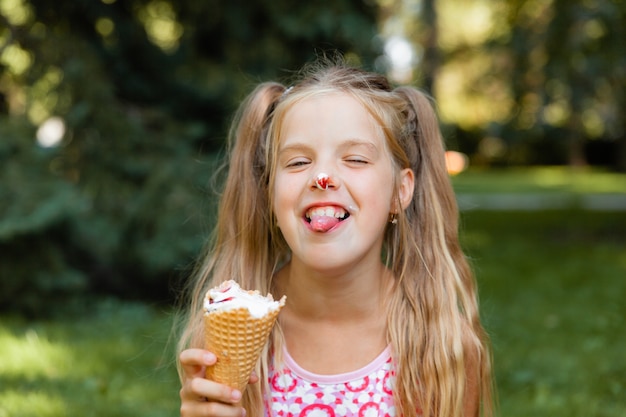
{"points": [[407, 187]]}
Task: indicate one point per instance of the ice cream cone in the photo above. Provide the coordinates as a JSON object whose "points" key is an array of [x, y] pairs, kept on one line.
{"points": [[237, 339]]}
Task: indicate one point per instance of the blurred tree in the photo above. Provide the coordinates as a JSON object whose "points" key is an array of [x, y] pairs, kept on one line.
{"points": [[143, 91], [528, 81], [432, 54], [569, 72]]}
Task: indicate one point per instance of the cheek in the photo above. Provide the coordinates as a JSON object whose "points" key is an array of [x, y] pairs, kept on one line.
{"points": [[277, 192], [282, 199], [379, 187], [276, 204]]}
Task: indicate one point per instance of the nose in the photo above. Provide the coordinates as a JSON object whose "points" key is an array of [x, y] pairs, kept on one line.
{"points": [[323, 181]]}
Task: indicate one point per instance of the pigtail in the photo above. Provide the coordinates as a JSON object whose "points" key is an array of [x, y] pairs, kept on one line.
{"points": [[246, 220], [243, 216], [441, 302], [241, 248]]}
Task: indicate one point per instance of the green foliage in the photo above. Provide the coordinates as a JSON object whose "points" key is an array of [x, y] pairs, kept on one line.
{"points": [[34, 204], [524, 82], [565, 70], [146, 89], [120, 221], [47, 199]]}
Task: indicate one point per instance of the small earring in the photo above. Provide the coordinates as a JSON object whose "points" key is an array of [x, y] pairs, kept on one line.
{"points": [[393, 218]]}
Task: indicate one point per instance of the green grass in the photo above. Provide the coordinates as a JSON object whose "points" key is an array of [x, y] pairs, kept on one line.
{"points": [[552, 288], [113, 361], [563, 180]]}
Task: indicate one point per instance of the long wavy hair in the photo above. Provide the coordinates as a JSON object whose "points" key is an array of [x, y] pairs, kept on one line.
{"points": [[433, 324]]}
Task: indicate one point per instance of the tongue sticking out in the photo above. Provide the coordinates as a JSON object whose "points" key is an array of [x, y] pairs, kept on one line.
{"points": [[323, 223]]}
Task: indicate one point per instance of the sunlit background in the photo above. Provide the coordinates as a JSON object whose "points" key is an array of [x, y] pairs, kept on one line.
{"points": [[113, 115], [508, 76]]}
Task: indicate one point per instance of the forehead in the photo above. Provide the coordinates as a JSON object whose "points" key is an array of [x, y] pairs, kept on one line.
{"points": [[334, 115]]}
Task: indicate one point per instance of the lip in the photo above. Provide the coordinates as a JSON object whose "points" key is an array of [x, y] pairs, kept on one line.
{"points": [[326, 204]]}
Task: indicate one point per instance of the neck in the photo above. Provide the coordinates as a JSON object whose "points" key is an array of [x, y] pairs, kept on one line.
{"points": [[358, 294]]}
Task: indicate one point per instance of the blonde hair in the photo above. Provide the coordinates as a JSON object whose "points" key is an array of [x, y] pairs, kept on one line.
{"points": [[433, 326]]}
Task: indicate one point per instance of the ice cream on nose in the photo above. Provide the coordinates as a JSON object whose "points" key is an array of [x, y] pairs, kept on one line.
{"points": [[321, 181]]}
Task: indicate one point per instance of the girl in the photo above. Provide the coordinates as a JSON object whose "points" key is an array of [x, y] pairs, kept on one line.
{"points": [[338, 197]]}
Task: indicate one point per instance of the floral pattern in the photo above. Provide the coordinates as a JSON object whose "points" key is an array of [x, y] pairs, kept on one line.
{"points": [[295, 392]]}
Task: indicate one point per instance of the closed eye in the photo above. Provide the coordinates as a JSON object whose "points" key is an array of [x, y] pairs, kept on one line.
{"points": [[357, 160], [295, 163]]}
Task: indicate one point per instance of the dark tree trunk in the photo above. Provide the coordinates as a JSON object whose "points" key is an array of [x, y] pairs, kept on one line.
{"points": [[432, 56], [620, 160], [576, 145]]}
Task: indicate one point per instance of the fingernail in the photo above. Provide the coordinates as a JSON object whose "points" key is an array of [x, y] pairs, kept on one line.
{"points": [[209, 358], [236, 395], [243, 412]]}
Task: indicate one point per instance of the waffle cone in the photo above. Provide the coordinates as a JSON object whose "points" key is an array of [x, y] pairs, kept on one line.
{"points": [[237, 339]]}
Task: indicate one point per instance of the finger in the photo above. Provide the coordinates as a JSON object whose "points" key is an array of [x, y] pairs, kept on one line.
{"points": [[254, 378], [211, 409], [194, 360], [200, 390]]}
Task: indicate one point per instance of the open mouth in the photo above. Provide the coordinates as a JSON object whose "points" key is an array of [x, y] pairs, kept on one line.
{"points": [[325, 218]]}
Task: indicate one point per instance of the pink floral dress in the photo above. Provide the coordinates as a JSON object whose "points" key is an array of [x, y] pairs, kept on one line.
{"points": [[295, 392]]}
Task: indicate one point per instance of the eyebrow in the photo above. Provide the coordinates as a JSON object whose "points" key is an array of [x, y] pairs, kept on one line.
{"points": [[346, 144], [359, 142], [294, 147]]}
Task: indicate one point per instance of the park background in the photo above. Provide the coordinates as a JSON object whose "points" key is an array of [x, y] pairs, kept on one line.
{"points": [[113, 116]]}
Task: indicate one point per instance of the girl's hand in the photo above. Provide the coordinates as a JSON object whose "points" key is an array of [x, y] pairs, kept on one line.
{"points": [[202, 397]]}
